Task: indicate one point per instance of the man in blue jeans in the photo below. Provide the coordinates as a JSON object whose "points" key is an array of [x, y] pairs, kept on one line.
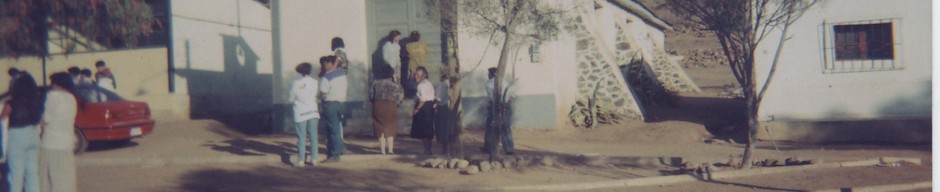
{"points": [[502, 132], [333, 91]]}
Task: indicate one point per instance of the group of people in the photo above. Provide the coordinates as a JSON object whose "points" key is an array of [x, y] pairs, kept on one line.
{"points": [[104, 78], [322, 96], [41, 121], [316, 97]]}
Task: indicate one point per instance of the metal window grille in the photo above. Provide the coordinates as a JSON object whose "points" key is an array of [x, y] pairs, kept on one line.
{"points": [[862, 46]]}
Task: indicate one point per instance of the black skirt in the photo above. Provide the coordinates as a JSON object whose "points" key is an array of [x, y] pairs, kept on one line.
{"points": [[422, 125]]}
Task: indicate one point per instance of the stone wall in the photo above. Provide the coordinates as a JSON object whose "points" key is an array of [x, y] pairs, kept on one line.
{"points": [[596, 73], [666, 71]]}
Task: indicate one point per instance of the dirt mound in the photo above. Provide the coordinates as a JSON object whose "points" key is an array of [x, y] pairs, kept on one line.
{"points": [[626, 133]]}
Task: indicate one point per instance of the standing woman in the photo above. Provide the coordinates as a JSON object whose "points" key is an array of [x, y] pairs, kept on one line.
{"points": [[391, 52], [417, 52], [24, 110], [422, 126], [57, 162], [339, 50], [385, 95], [303, 94]]}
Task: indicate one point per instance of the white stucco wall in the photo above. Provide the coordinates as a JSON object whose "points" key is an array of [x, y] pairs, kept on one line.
{"points": [[222, 56], [200, 26], [306, 29], [552, 81], [800, 90]]}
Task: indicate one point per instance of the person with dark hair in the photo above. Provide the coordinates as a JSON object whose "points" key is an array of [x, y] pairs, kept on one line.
{"points": [[24, 111], [443, 125], [104, 77], [57, 159], [391, 52], [75, 73], [422, 126], [14, 74], [333, 86], [491, 138], [385, 95], [339, 50], [85, 77], [303, 94]]}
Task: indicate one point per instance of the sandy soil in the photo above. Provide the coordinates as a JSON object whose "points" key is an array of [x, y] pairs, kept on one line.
{"points": [[677, 131]]}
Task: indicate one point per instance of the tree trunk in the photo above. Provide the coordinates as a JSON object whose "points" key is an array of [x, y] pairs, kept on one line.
{"points": [[497, 103], [752, 127]]}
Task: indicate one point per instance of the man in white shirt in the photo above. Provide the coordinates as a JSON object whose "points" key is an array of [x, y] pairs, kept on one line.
{"points": [[333, 90], [504, 128]]}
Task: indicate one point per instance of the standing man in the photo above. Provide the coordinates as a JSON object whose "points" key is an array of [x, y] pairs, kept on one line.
{"points": [[504, 128], [333, 90], [104, 77]]}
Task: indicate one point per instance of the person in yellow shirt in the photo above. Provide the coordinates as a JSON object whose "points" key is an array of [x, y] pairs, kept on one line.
{"points": [[417, 52]]}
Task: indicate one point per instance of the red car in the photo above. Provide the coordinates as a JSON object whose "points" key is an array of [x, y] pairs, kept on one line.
{"points": [[105, 116]]}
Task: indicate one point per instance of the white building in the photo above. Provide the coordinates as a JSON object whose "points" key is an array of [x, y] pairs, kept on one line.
{"points": [[854, 70], [233, 60]]}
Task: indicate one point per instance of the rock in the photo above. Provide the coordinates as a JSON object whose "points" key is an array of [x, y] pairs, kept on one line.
{"points": [[436, 162], [452, 164], [508, 163], [496, 165], [547, 161], [472, 170], [462, 164], [523, 162], [426, 163], [485, 166]]}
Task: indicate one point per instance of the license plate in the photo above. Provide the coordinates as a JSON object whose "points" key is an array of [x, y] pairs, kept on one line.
{"points": [[136, 131]]}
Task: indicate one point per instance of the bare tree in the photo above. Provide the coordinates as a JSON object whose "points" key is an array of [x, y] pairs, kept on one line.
{"points": [[516, 22], [740, 26]]}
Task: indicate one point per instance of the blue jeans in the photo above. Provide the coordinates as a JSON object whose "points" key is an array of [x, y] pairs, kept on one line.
{"points": [[306, 130], [334, 140], [23, 159], [490, 138]]}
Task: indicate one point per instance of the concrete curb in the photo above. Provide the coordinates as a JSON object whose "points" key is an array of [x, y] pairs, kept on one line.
{"points": [[879, 188], [665, 180]]}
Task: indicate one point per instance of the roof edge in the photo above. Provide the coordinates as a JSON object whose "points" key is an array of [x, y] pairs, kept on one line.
{"points": [[643, 12]]}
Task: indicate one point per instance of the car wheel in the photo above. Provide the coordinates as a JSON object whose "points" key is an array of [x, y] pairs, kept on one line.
{"points": [[80, 142]]}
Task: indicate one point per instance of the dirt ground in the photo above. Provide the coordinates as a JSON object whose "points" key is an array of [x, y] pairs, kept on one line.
{"points": [[680, 131]]}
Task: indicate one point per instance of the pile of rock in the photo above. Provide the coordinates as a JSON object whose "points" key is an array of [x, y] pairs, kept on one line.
{"points": [[473, 167], [702, 58]]}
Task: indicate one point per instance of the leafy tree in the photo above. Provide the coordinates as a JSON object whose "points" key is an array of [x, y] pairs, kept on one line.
{"points": [[516, 22], [25, 24], [740, 26]]}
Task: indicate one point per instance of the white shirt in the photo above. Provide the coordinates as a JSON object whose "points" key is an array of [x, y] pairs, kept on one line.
{"points": [[59, 119], [106, 83], [303, 94], [333, 86], [391, 52], [442, 92], [425, 91], [490, 86]]}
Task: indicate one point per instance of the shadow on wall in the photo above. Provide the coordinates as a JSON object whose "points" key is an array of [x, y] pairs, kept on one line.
{"points": [[905, 119], [238, 96]]}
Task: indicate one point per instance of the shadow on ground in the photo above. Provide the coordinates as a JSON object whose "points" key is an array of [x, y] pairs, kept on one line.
{"points": [[283, 178], [722, 117]]}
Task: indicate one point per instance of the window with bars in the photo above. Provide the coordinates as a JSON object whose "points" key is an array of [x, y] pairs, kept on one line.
{"points": [[862, 46]]}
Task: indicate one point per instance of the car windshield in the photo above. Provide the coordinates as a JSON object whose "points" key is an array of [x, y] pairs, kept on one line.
{"points": [[95, 94]]}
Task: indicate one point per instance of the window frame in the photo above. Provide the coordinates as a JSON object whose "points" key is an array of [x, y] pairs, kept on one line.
{"points": [[832, 64]]}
